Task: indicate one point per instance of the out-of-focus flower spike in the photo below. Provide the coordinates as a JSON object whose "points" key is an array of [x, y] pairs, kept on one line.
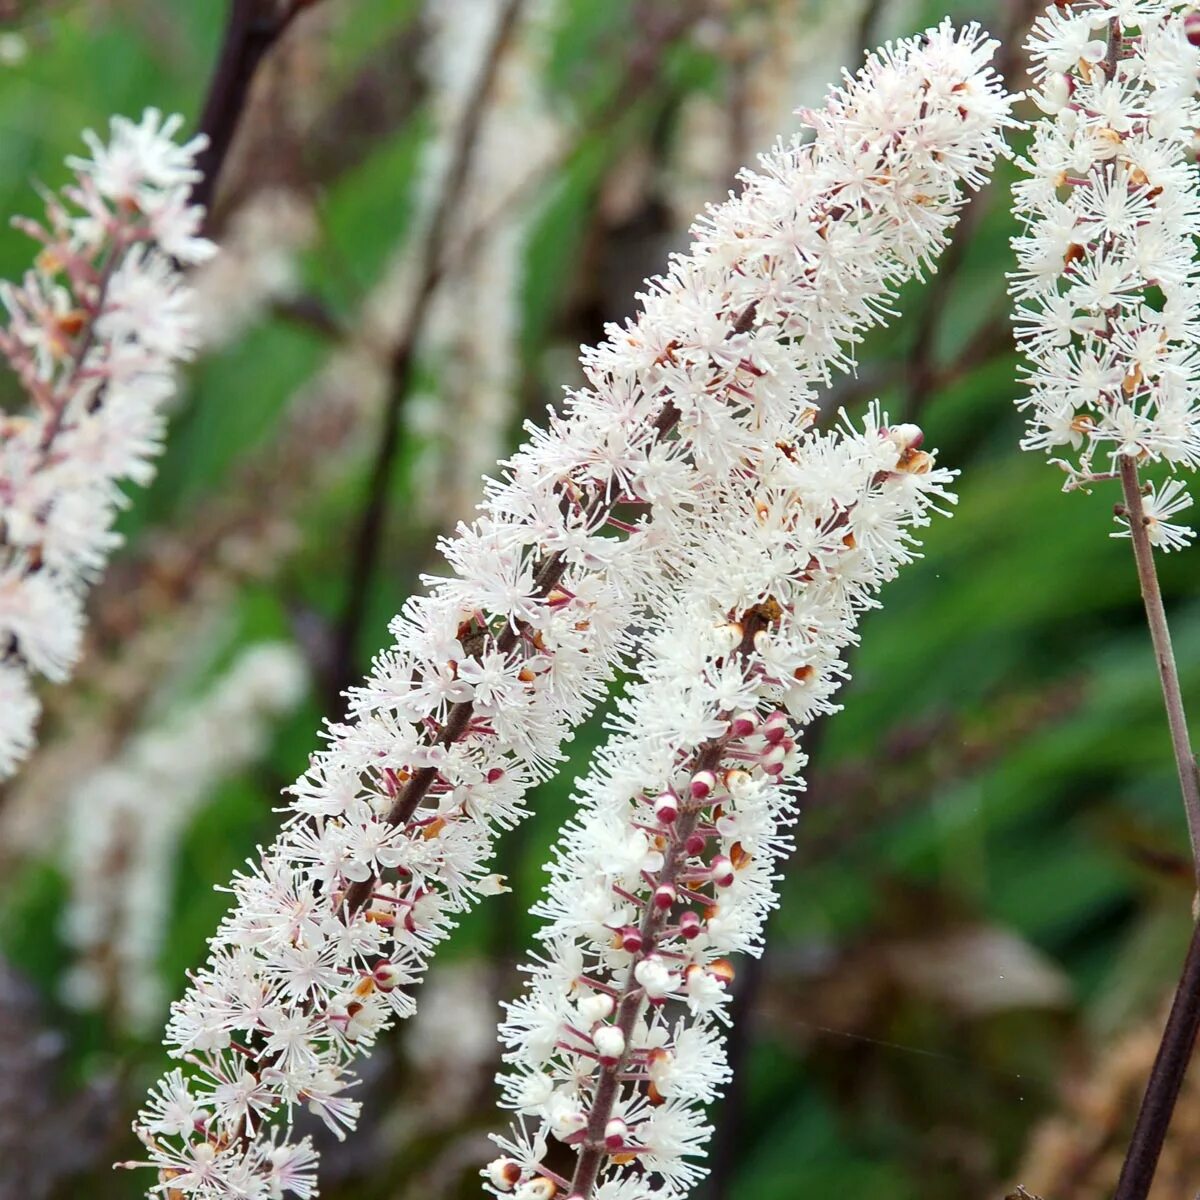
{"points": [[94, 332]]}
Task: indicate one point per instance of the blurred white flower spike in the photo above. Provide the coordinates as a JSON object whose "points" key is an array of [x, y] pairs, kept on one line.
{"points": [[121, 839], [1107, 288], [392, 827], [94, 332]]}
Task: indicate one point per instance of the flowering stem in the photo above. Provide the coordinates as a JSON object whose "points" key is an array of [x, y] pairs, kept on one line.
{"points": [[1160, 635], [87, 338], [1166, 1078], [593, 1150], [459, 717]]}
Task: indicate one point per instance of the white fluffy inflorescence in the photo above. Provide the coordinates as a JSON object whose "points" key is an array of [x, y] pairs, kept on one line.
{"points": [[392, 826], [94, 332], [125, 821], [617, 1044], [1108, 285]]}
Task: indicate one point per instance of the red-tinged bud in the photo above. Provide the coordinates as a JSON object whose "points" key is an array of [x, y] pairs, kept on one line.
{"points": [[495, 775], [666, 808], [775, 727], [387, 976], [772, 762], [664, 895], [631, 939], [703, 784], [1191, 27], [689, 925], [722, 871], [743, 725], [615, 1134], [695, 843], [504, 1174]]}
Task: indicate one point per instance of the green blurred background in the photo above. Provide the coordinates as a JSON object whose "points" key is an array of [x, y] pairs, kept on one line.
{"points": [[990, 896]]}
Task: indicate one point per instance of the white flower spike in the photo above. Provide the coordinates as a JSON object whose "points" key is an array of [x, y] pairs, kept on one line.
{"points": [[94, 333], [392, 826]]}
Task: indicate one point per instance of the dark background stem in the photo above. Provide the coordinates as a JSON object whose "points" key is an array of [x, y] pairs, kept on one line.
{"points": [[253, 27], [1166, 1078]]}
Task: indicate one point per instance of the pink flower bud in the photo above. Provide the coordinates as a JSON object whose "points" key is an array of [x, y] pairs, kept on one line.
{"points": [[772, 762], [689, 925], [666, 808], [387, 976], [743, 725], [695, 843], [722, 871], [703, 785], [631, 939], [775, 727], [615, 1133], [664, 895]]}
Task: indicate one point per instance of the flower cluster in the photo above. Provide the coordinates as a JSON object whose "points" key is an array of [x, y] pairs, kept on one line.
{"points": [[93, 334], [670, 867], [124, 823], [391, 828], [1108, 283]]}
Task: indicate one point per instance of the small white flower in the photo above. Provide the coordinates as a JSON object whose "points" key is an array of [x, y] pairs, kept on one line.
{"points": [[1159, 505]]}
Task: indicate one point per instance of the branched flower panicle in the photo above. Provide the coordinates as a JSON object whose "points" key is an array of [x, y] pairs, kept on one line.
{"points": [[617, 1043], [391, 828], [1108, 282], [94, 332]]}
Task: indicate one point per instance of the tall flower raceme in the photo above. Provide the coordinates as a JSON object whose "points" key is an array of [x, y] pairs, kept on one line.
{"points": [[1108, 282], [617, 1043], [392, 826], [93, 335]]}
